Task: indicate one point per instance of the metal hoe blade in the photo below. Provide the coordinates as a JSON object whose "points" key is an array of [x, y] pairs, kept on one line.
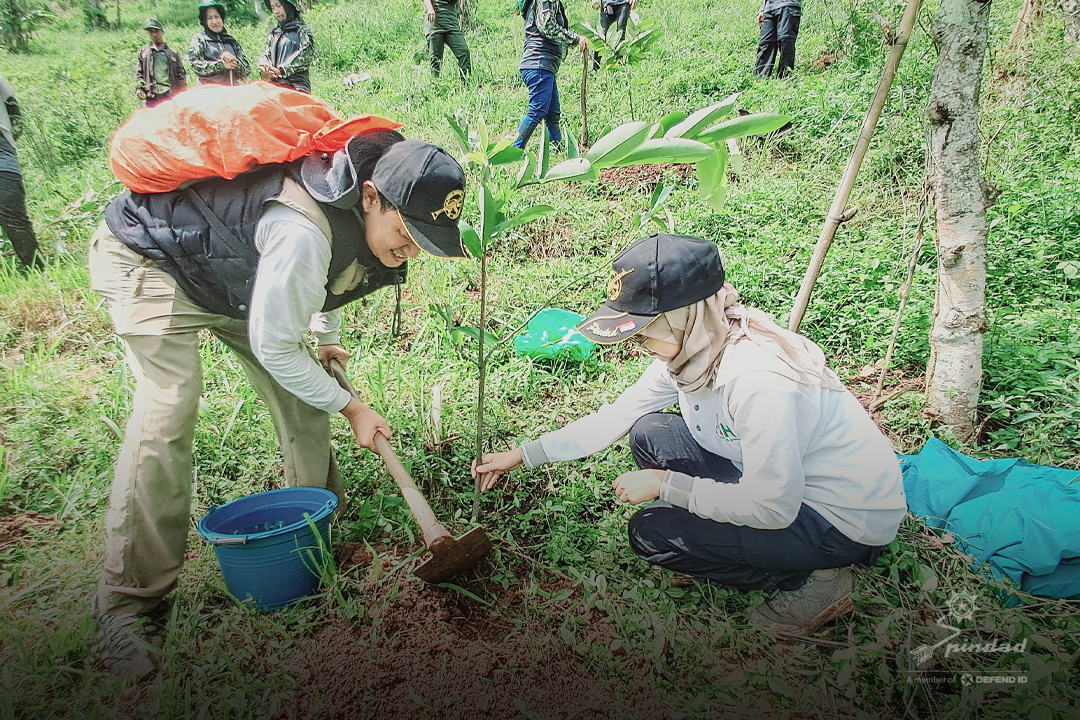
{"points": [[455, 558]]}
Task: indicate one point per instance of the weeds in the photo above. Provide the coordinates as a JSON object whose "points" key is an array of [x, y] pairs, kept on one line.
{"points": [[65, 392]]}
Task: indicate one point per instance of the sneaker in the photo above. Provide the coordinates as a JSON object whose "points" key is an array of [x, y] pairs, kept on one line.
{"points": [[127, 643], [825, 596]]}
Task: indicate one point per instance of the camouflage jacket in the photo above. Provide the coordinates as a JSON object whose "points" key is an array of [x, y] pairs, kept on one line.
{"points": [[290, 48], [205, 58]]}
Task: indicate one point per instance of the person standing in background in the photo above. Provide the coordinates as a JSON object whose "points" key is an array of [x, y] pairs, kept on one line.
{"points": [[441, 27], [546, 38], [160, 72], [290, 49], [612, 12], [779, 21], [13, 217], [215, 55]]}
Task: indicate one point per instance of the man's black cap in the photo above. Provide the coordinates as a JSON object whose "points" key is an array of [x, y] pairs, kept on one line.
{"points": [[153, 24], [654, 275], [427, 186]]}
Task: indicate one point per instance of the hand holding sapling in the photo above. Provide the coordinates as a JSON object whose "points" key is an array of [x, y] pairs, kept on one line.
{"points": [[493, 465]]}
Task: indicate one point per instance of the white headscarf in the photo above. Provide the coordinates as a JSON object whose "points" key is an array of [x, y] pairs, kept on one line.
{"points": [[707, 328]]}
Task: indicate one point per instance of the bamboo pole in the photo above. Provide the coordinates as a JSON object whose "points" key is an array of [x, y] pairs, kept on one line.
{"points": [[586, 57], [836, 212]]}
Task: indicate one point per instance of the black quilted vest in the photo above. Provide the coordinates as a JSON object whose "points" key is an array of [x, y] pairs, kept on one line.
{"points": [[204, 237]]}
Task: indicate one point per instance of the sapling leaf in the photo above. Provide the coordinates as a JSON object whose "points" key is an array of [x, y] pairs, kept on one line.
{"points": [[527, 174], [490, 214], [672, 119], [756, 124], [702, 119], [665, 150], [543, 158], [474, 333], [617, 144], [525, 216], [470, 239], [711, 172], [579, 169], [505, 154], [572, 150], [482, 129], [460, 128]]}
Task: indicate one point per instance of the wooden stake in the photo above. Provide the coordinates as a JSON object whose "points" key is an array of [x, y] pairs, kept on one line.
{"points": [[586, 59], [835, 216]]}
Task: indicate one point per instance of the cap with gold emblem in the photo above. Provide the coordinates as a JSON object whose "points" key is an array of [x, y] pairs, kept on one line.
{"points": [[654, 275], [427, 186]]}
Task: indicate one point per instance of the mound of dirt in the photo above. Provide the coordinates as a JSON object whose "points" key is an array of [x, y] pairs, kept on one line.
{"points": [[434, 653]]}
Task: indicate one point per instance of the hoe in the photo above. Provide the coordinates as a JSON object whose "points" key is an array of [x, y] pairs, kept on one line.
{"points": [[449, 556]]}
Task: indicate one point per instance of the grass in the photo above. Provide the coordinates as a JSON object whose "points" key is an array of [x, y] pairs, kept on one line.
{"points": [[65, 393]]}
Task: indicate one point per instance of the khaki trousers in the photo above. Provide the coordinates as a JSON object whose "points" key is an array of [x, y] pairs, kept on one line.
{"points": [[146, 527]]}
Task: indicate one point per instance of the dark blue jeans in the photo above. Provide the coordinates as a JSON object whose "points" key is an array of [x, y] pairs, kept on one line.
{"points": [[741, 557], [779, 30], [543, 106]]}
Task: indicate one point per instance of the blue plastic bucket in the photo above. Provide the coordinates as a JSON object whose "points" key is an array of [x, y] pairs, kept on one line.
{"points": [[265, 546]]}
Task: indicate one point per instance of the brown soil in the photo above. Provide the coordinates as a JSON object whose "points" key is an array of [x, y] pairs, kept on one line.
{"points": [[643, 178], [433, 652], [13, 527]]}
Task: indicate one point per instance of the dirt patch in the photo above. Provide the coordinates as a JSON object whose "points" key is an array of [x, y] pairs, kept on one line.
{"points": [[13, 527], [643, 178], [432, 652]]}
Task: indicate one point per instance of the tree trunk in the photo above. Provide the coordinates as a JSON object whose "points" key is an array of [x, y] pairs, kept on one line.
{"points": [[960, 207], [1072, 21]]}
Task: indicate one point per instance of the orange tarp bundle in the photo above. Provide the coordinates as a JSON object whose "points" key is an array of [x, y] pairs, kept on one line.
{"points": [[222, 131]]}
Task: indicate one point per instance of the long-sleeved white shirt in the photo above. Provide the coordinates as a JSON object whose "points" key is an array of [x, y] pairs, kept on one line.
{"points": [[288, 296], [793, 444]]}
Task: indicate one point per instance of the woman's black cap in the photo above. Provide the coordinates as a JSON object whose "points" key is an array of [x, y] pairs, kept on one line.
{"points": [[654, 275]]}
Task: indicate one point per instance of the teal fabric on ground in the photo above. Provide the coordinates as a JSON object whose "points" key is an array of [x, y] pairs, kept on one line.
{"points": [[550, 335], [1023, 519]]}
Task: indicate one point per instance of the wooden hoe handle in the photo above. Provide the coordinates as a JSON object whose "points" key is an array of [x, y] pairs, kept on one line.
{"points": [[436, 538]]}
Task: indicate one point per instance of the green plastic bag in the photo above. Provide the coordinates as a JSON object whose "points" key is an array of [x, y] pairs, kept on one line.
{"points": [[550, 335]]}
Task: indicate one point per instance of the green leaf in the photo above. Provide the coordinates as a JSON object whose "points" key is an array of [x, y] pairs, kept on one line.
{"points": [[618, 143], [470, 239], [474, 333], [506, 154], [572, 150], [712, 173], [702, 118], [756, 124], [466, 593], [672, 119], [490, 214], [527, 174], [482, 131], [525, 216], [664, 150], [543, 158], [579, 169], [778, 686], [460, 128]]}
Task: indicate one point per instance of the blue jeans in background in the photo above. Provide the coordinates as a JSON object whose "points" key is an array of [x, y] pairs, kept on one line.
{"points": [[543, 106]]}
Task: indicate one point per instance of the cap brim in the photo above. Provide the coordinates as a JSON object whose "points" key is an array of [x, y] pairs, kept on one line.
{"points": [[608, 326], [437, 240]]}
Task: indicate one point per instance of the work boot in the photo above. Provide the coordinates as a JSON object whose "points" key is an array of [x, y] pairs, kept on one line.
{"points": [[127, 642], [825, 596]]}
